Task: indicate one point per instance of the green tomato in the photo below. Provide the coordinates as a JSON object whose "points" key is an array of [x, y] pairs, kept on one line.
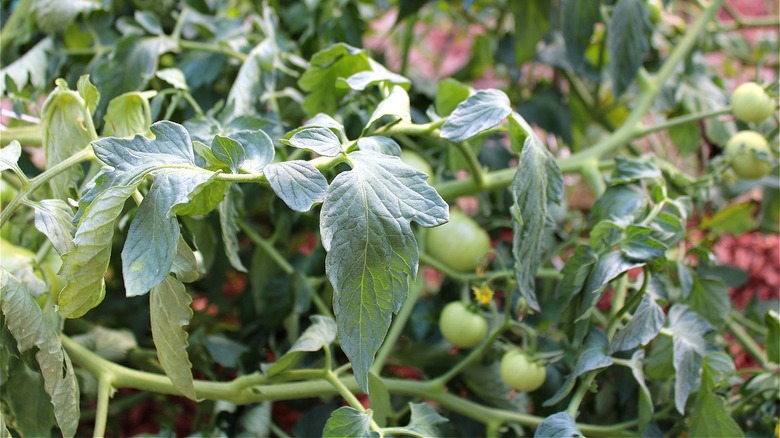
{"points": [[417, 162], [743, 148], [462, 327], [460, 244], [520, 373], [750, 103]]}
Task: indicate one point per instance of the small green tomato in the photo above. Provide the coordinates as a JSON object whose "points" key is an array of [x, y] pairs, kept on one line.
{"points": [[462, 327], [460, 244], [743, 148], [520, 373], [750, 103]]}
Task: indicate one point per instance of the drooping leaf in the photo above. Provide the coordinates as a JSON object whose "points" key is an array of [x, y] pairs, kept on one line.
{"points": [[625, 201], [325, 67], [147, 256], [320, 140], [250, 84], [532, 22], [169, 304], [579, 19], [85, 266], [378, 143], [365, 227], [185, 264], [29, 326], [89, 92], [9, 156], [640, 246], [643, 327], [483, 110], [424, 420], [349, 422], [449, 95], [710, 416], [54, 218], [610, 265], [110, 344], [645, 399], [128, 114], [689, 348], [25, 402], [298, 183], [627, 42], [734, 219], [772, 322], [537, 184], [594, 354], [396, 105], [320, 334], [559, 425], [228, 216], [67, 128], [174, 77], [20, 263]]}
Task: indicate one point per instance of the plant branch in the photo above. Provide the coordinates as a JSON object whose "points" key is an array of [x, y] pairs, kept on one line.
{"points": [[101, 413], [35, 183], [744, 338]]}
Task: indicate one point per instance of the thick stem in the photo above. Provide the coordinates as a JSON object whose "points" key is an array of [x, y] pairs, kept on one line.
{"points": [[750, 345], [101, 413]]}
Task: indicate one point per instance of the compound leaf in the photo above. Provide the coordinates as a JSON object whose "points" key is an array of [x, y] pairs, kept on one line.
{"points": [[9, 156], [424, 420], [320, 140], [689, 348], [347, 421], [558, 425], [396, 104], [372, 253], [627, 42], [128, 114], [579, 18], [320, 334], [642, 328], [54, 218], [325, 68]]}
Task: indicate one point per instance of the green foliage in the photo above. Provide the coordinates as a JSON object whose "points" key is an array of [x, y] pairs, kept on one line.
{"points": [[248, 176]]}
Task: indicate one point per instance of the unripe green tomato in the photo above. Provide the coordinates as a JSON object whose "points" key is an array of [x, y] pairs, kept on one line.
{"points": [[417, 162], [520, 373], [462, 327], [742, 148], [460, 244], [655, 7], [750, 103]]}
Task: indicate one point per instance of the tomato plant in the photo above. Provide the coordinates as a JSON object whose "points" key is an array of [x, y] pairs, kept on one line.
{"points": [[462, 327], [229, 217]]}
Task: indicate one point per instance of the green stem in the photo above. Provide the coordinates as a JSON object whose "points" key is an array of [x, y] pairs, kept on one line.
{"points": [[633, 301], [468, 277], [582, 389], [477, 173], [35, 183], [268, 247], [101, 413], [212, 48], [750, 345], [680, 120], [28, 135], [407, 42], [14, 23]]}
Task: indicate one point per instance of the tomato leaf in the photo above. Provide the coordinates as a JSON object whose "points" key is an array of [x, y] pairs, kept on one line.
{"points": [[449, 95], [629, 170], [396, 105], [576, 271], [379, 399], [185, 265], [537, 184], [689, 348], [252, 78], [594, 354], [320, 334], [558, 425], [29, 68], [627, 42], [85, 266], [647, 321], [710, 299], [298, 183], [710, 415], [347, 421], [325, 67], [229, 151], [228, 215], [532, 22], [169, 304], [29, 326], [483, 110], [772, 322], [645, 404], [128, 114], [150, 246], [372, 253], [320, 140], [579, 19], [54, 218], [377, 143], [610, 265], [67, 128], [377, 75], [9, 156], [424, 420]]}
